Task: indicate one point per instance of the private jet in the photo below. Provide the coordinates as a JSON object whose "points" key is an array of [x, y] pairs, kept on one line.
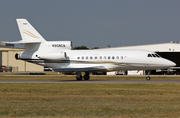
{"points": [[60, 56]]}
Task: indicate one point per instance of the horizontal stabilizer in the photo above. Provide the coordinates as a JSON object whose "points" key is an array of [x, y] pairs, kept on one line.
{"points": [[23, 42]]}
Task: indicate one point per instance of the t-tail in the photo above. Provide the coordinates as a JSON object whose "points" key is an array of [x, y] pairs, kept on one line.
{"points": [[28, 32], [31, 39], [36, 47]]}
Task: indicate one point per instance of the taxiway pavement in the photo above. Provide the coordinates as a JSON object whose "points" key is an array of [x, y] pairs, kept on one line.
{"points": [[93, 81]]}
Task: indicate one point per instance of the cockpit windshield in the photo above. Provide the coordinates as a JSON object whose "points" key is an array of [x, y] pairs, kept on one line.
{"points": [[149, 55], [153, 55], [157, 55]]}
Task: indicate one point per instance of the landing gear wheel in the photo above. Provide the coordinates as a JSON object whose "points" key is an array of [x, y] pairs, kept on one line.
{"points": [[79, 78], [86, 77], [148, 78]]}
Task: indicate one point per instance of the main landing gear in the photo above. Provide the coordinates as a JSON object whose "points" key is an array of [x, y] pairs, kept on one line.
{"points": [[79, 76]]}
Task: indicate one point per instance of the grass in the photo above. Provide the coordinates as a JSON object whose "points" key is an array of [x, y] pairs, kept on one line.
{"points": [[90, 100]]}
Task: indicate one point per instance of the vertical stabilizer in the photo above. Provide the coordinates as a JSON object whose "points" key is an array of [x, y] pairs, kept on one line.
{"points": [[27, 31]]}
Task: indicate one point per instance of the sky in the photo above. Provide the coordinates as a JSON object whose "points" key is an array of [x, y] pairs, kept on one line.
{"points": [[94, 23]]}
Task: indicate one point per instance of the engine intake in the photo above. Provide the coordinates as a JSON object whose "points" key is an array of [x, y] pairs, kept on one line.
{"points": [[18, 56]]}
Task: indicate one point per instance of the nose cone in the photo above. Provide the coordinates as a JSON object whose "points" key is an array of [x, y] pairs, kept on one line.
{"points": [[168, 63], [172, 64]]}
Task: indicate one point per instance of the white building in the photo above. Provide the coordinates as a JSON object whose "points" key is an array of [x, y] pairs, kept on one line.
{"points": [[169, 51], [162, 47]]}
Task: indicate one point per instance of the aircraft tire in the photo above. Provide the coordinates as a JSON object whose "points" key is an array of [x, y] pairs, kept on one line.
{"points": [[86, 77], [79, 78], [148, 78]]}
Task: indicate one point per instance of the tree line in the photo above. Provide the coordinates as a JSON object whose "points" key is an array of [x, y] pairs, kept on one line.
{"points": [[83, 48]]}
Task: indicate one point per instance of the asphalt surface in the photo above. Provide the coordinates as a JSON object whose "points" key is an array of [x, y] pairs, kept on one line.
{"points": [[93, 81]]}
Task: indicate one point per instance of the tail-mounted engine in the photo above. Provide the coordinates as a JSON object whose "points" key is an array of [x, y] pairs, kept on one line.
{"points": [[56, 45], [53, 56], [44, 56], [18, 56]]}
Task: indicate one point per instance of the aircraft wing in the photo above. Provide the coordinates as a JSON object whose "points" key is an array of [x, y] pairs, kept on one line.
{"points": [[80, 69]]}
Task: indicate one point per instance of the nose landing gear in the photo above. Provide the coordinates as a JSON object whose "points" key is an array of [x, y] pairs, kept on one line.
{"points": [[148, 73], [148, 78]]}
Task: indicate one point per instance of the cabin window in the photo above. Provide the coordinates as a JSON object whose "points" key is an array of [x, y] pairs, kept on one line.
{"points": [[82, 57], [109, 57], [112, 57], [78, 57], [100, 57], [104, 57], [86, 57], [95, 57], [121, 57], [91, 57]]}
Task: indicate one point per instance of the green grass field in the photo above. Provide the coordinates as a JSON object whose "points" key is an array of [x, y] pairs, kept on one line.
{"points": [[89, 100]]}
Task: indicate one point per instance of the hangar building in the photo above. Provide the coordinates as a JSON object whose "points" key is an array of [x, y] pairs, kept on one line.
{"points": [[8, 63], [169, 51]]}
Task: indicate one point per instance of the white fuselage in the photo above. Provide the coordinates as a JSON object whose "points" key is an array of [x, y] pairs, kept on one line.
{"points": [[110, 60]]}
